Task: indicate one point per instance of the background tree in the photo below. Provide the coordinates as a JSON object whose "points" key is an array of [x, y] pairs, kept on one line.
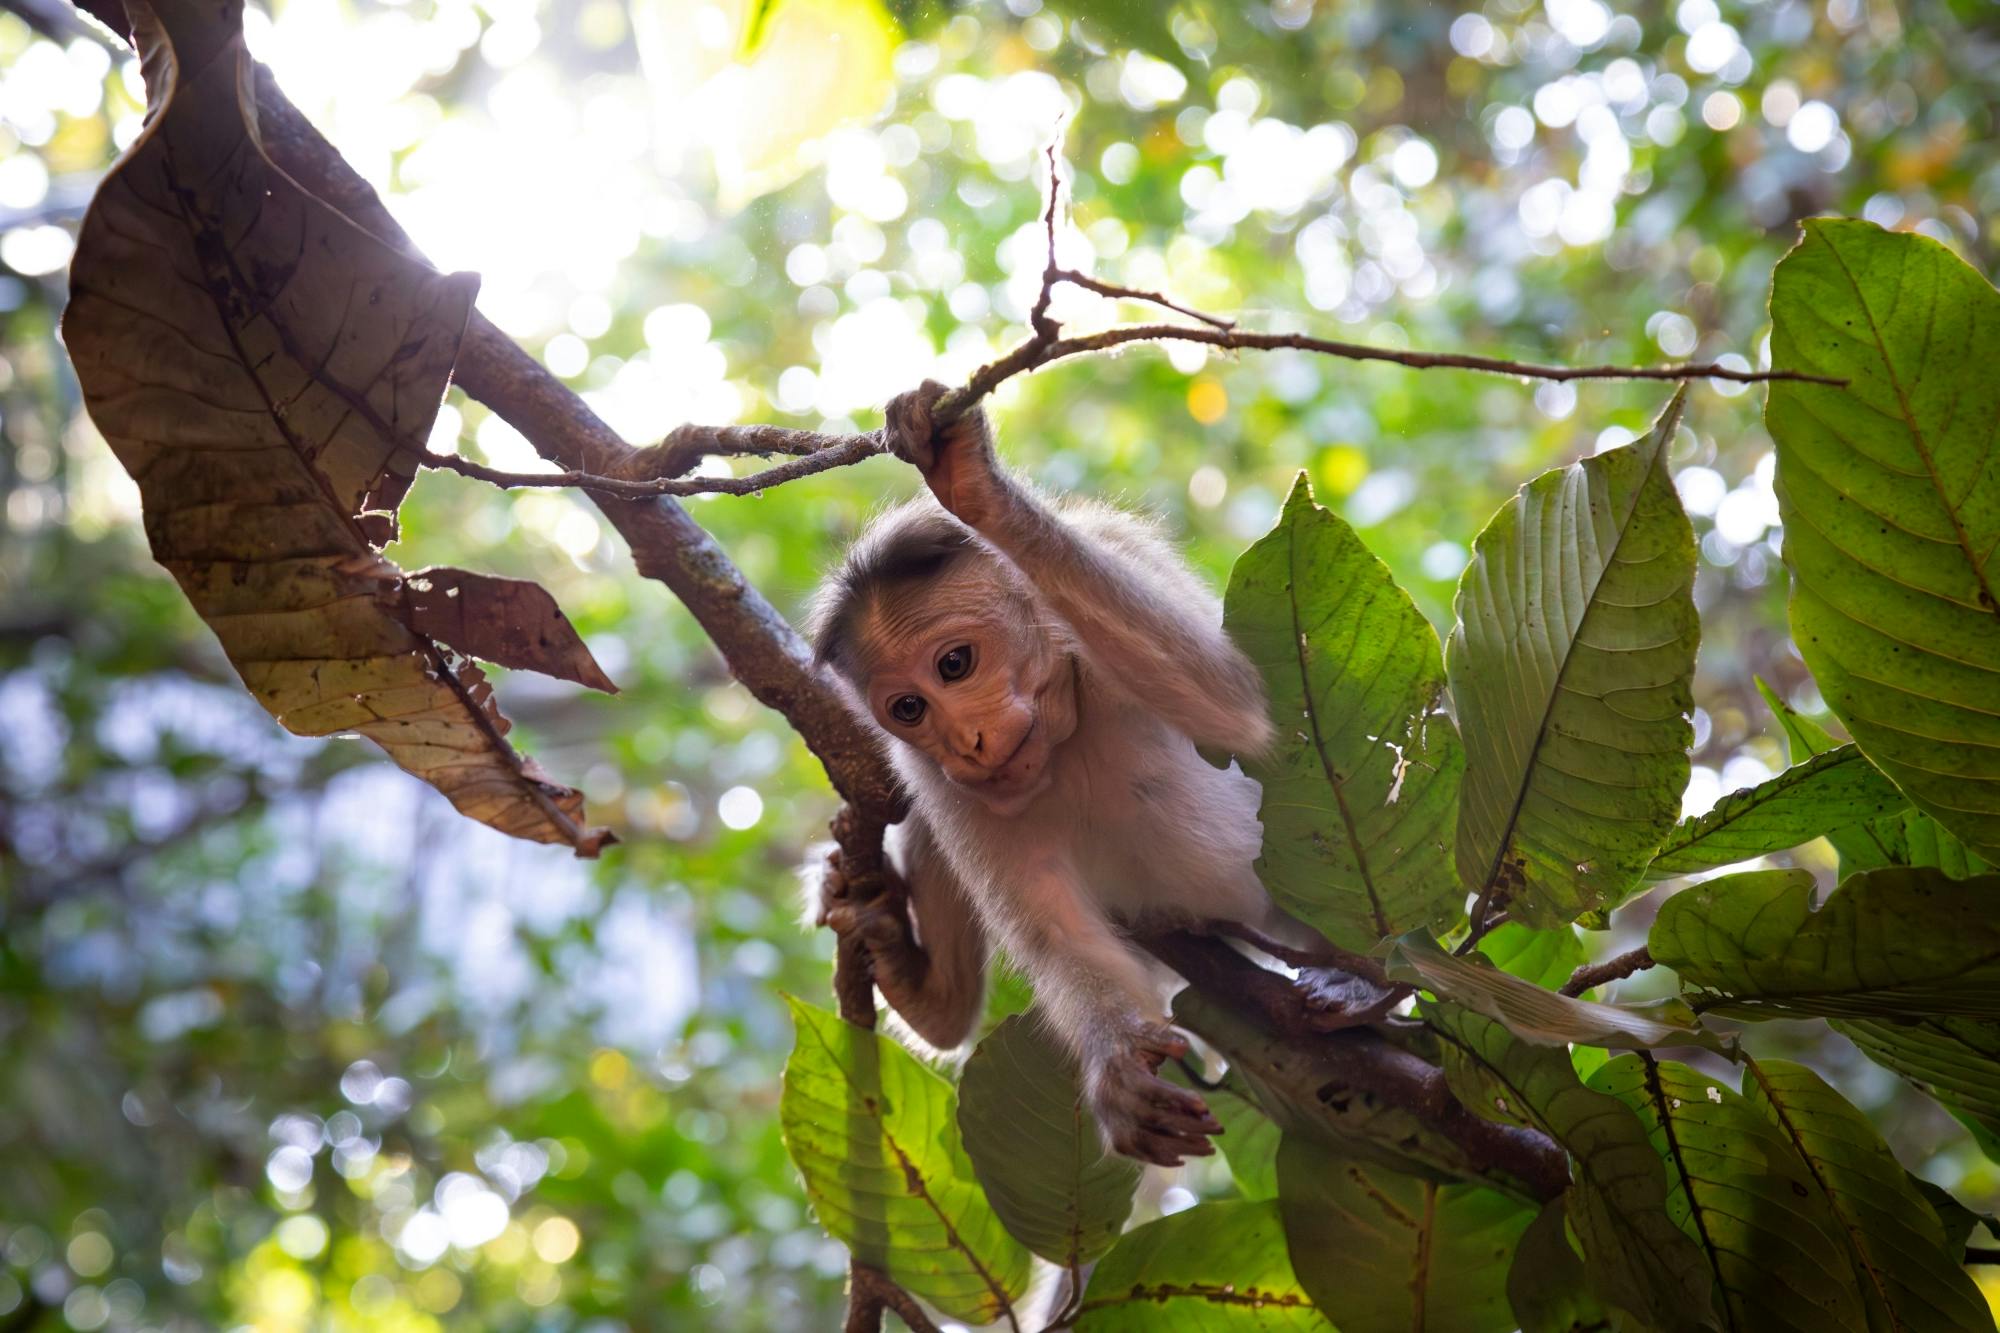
{"points": [[289, 1037]]}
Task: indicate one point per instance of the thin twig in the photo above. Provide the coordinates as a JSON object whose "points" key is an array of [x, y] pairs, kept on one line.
{"points": [[659, 470], [1117, 292], [1979, 1255], [1611, 969], [841, 451]]}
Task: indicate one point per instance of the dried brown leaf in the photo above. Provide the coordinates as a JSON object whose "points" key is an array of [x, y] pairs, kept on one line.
{"points": [[268, 373], [509, 621]]}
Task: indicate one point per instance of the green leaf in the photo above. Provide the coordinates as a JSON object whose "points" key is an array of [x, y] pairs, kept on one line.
{"points": [[1958, 1221], [1530, 1012], [1737, 1190], [1139, 24], [1546, 1286], [1548, 958], [1636, 1258], [1828, 793], [1360, 784], [1249, 1139], [1896, 1244], [1570, 667], [1899, 941], [874, 1135], [1903, 837], [1036, 1148], [1393, 1252], [1956, 1061], [1217, 1266], [1890, 494]]}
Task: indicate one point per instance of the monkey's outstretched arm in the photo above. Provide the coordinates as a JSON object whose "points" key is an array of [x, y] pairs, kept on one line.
{"points": [[935, 974], [1151, 626], [1098, 997]]}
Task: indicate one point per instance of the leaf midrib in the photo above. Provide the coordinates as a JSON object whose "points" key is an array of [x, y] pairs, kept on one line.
{"points": [[1513, 819], [1333, 778]]}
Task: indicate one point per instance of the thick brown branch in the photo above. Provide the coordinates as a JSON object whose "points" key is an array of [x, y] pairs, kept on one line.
{"points": [[1366, 1061], [1611, 969], [869, 1291]]}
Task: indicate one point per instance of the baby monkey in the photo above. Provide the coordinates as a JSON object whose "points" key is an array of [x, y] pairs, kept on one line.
{"points": [[1045, 672]]}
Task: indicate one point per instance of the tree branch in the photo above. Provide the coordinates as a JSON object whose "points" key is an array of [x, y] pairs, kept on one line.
{"points": [[1366, 1061], [1611, 969]]}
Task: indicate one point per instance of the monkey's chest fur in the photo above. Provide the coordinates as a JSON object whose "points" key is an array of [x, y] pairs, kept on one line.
{"points": [[1155, 832]]}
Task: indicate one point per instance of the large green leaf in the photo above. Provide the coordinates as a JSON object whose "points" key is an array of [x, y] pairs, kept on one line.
{"points": [[1532, 1013], [1826, 794], [1910, 1282], [1955, 1060], [1636, 1258], [1570, 667], [1390, 1252], [873, 1133], [1743, 1195], [1546, 1284], [1902, 837], [1890, 494], [1900, 941], [1036, 1148], [1360, 783], [1216, 1268]]}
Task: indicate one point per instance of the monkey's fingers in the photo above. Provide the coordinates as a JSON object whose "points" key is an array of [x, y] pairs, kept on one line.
{"points": [[1180, 1108], [912, 434], [1163, 1149], [1156, 1043]]}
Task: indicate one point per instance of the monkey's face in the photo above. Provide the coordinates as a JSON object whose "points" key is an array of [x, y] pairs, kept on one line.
{"points": [[971, 675]]}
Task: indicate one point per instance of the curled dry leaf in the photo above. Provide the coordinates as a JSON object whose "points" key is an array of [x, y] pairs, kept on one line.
{"points": [[268, 373]]}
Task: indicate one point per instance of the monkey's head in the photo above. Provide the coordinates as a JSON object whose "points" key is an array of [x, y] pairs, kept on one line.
{"points": [[946, 649]]}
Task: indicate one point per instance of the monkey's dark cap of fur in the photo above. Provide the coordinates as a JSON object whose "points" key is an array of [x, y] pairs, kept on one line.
{"points": [[912, 543]]}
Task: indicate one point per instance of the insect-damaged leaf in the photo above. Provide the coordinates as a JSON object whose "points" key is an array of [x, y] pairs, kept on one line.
{"points": [[509, 621], [1216, 1268], [1036, 1148], [1899, 942], [1570, 667], [1360, 783], [1389, 1252], [1890, 493], [268, 372], [875, 1136]]}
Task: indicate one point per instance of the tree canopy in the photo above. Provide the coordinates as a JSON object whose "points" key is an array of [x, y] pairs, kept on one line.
{"points": [[1694, 685]]}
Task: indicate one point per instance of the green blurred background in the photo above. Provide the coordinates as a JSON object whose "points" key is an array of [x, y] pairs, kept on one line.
{"points": [[286, 1044]]}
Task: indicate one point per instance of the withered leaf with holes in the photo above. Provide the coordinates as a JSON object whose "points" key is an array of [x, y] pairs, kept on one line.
{"points": [[268, 373]]}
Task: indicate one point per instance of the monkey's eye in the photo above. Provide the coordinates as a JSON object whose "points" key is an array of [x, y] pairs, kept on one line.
{"points": [[907, 709], [956, 664]]}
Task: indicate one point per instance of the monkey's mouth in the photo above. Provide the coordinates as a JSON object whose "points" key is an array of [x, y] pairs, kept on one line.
{"points": [[1000, 769]]}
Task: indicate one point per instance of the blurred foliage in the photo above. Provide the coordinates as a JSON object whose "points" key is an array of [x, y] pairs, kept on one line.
{"points": [[287, 1044]]}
